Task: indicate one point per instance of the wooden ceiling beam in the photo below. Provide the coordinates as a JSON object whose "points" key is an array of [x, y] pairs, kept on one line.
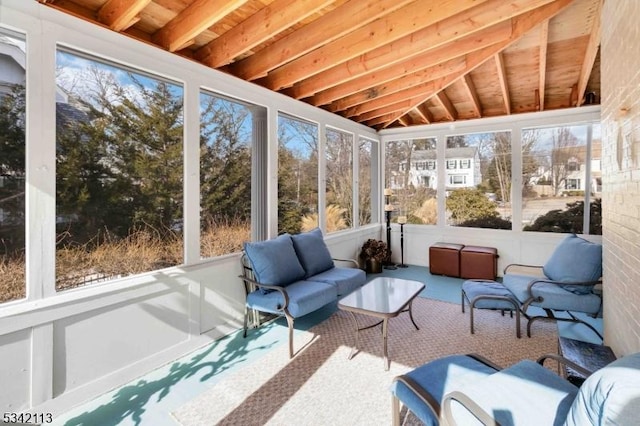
{"points": [[424, 112], [431, 61], [574, 96], [429, 88], [333, 25], [259, 27], [542, 68], [591, 53], [398, 84], [402, 95], [192, 21], [444, 101], [504, 86], [471, 25], [405, 121], [470, 88], [375, 118], [379, 121], [121, 14], [387, 109], [394, 26], [521, 25]]}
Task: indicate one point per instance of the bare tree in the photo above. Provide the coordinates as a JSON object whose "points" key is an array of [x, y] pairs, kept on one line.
{"points": [[564, 147], [339, 165]]}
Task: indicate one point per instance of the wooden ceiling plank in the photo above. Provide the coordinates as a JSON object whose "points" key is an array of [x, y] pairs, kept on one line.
{"points": [[470, 88], [438, 58], [463, 25], [121, 14], [521, 25], [402, 22], [192, 21], [504, 87], [259, 27], [591, 53], [333, 25], [544, 41]]}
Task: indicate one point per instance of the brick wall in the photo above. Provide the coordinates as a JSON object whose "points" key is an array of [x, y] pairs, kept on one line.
{"points": [[620, 61]]}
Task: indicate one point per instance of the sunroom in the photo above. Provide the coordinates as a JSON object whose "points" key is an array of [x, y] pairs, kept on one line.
{"points": [[144, 141]]}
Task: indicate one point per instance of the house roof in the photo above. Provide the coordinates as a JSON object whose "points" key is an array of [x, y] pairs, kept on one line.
{"points": [[430, 154], [385, 63]]}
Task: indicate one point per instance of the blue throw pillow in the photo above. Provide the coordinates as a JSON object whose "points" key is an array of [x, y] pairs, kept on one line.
{"points": [[575, 260], [274, 262], [312, 252]]}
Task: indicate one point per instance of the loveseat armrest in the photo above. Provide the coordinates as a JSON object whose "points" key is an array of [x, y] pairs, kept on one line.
{"points": [[353, 261], [257, 284], [537, 269]]}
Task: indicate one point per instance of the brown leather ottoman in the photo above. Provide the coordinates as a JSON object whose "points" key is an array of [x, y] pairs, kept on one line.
{"points": [[478, 262], [444, 259]]}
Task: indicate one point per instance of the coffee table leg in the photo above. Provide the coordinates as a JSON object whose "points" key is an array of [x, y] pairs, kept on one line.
{"points": [[354, 349], [411, 315], [385, 330]]}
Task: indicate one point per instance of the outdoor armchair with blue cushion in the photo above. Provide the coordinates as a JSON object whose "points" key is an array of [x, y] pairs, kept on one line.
{"points": [[567, 283], [293, 275], [467, 390]]}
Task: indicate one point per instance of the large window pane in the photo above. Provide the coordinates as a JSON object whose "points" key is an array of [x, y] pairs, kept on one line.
{"points": [[119, 172], [478, 180], [12, 167], [412, 175], [225, 189], [297, 175], [555, 179], [365, 180], [339, 187]]}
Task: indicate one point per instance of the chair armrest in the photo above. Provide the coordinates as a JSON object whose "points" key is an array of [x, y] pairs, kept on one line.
{"points": [[533, 282], [466, 402], [538, 268], [353, 261], [564, 361], [268, 287]]}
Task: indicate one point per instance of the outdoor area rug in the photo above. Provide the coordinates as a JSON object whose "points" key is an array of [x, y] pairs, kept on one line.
{"points": [[321, 386]]}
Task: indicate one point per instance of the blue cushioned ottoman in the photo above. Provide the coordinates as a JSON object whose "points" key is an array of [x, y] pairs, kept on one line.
{"points": [[423, 389], [488, 294]]}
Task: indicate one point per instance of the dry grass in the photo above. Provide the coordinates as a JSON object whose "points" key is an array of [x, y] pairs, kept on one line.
{"points": [[334, 218], [141, 251], [12, 285], [428, 212], [217, 240], [108, 257]]}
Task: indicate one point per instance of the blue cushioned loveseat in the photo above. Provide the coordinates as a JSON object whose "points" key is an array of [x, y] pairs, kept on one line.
{"points": [[293, 275]]}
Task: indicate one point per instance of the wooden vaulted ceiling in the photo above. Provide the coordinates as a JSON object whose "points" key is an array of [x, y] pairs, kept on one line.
{"points": [[384, 63]]}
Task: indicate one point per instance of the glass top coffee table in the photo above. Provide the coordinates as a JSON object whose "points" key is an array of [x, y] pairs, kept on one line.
{"points": [[382, 298]]}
